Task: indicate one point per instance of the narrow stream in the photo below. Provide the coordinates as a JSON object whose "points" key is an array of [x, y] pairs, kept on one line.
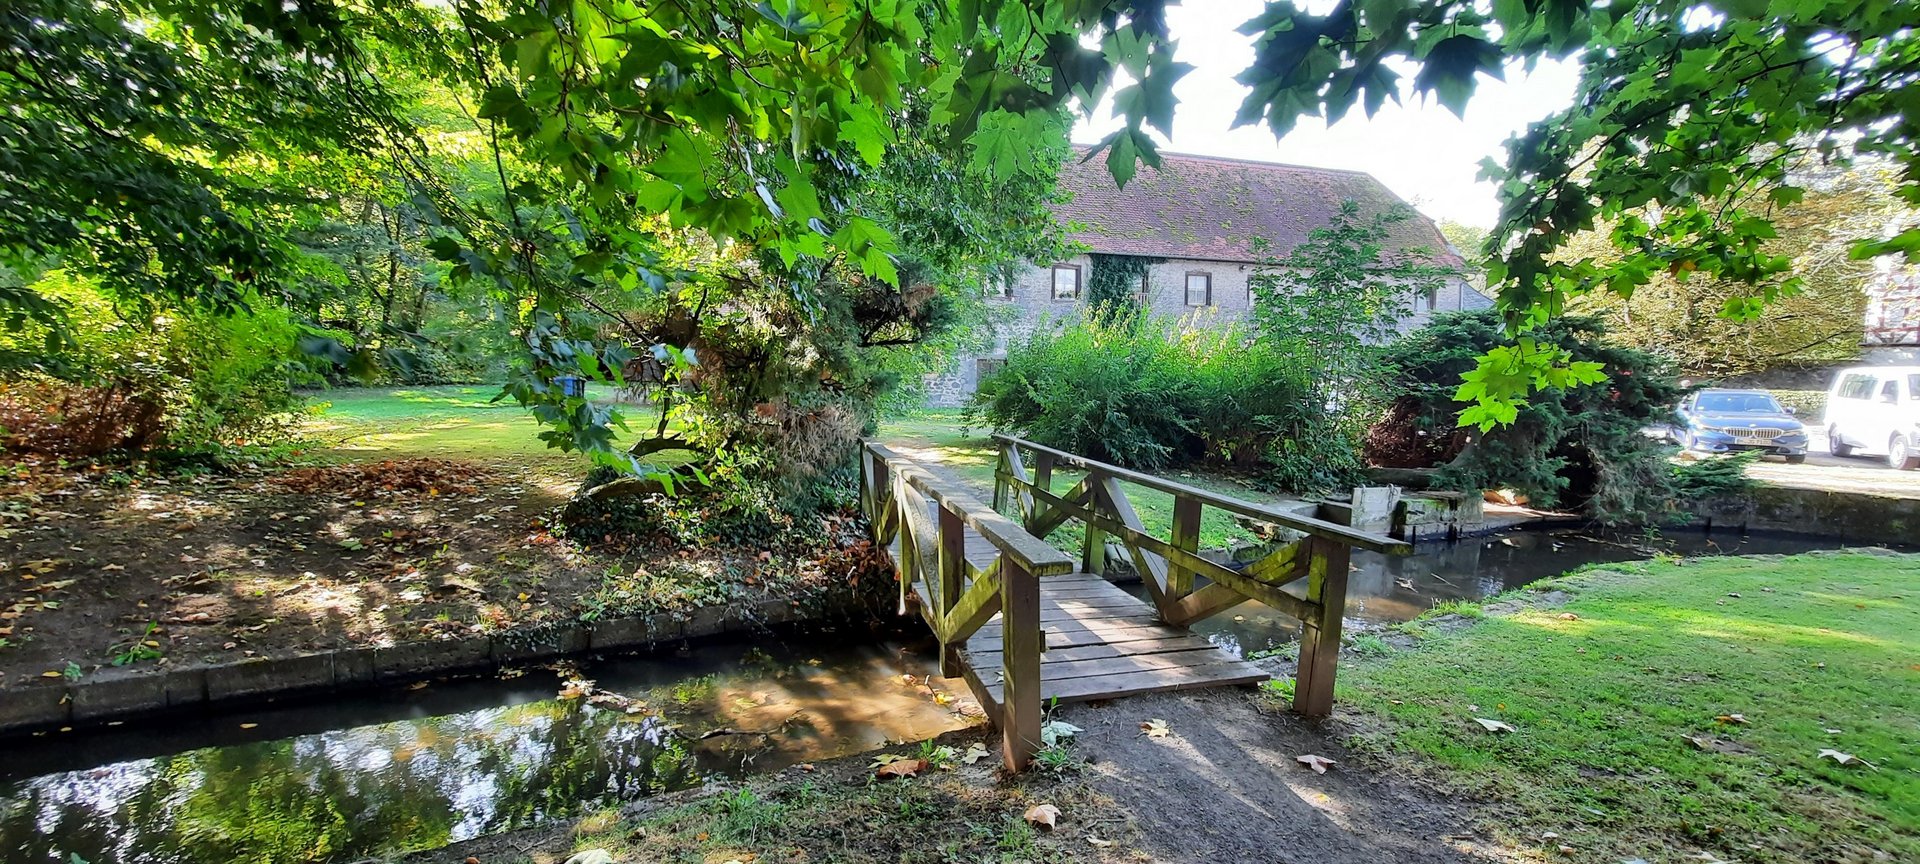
{"points": [[1385, 589], [411, 769]]}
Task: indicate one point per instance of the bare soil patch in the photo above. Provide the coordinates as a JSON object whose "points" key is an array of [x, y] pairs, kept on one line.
{"points": [[99, 567]]}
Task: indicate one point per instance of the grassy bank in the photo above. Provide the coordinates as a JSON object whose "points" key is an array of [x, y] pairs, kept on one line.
{"points": [[1677, 708]]}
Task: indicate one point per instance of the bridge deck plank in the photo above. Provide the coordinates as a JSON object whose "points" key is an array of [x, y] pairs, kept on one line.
{"points": [[1103, 643]]}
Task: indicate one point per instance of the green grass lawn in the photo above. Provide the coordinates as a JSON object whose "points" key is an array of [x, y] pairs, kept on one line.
{"points": [[1814, 651], [941, 435], [453, 422]]}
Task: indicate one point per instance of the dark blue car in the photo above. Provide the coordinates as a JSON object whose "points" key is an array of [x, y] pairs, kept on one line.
{"points": [[1725, 421]]}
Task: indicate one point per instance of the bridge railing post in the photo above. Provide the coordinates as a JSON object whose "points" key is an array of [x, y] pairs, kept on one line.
{"points": [[952, 576], [1020, 652], [1093, 550], [1320, 637]]}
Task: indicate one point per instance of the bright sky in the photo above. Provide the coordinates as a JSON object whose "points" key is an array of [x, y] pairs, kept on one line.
{"points": [[1418, 148]]}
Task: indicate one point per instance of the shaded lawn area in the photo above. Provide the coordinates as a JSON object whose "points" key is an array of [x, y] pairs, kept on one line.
{"points": [[422, 513], [1814, 651], [940, 435]]}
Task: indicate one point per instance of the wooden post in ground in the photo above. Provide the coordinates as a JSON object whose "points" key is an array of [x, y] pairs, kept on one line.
{"points": [[1320, 639], [1020, 653], [952, 567]]}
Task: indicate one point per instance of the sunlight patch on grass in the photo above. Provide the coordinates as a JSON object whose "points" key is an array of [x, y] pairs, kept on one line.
{"points": [[1605, 703]]}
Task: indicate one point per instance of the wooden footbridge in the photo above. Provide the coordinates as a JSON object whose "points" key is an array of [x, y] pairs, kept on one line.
{"points": [[1025, 623]]}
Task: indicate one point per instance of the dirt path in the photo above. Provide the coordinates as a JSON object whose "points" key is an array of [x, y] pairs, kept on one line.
{"points": [[1225, 786]]}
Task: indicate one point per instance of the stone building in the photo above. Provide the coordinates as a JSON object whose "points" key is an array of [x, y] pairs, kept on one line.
{"points": [[1195, 219]]}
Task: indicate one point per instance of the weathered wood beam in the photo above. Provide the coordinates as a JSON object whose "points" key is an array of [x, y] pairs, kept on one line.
{"points": [[1152, 568], [973, 611], [1305, 524], [1186, 536], [952, 569], [1320, 638], [1020, 667]]}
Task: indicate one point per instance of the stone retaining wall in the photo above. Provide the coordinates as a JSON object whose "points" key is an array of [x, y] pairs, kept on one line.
{"points": [[1854, 517], [119, 692]]}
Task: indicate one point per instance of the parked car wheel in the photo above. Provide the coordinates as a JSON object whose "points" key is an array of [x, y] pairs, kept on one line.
{"points": [[1797, 459], [1900, 454], [1836, 445]]}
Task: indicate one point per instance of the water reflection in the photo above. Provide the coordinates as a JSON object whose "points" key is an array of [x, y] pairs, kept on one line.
{"points": [[423, 781], [1387, 589]]}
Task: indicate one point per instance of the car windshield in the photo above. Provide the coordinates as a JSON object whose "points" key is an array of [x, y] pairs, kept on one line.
{"points": [[1738, 403], [1913, 387]]}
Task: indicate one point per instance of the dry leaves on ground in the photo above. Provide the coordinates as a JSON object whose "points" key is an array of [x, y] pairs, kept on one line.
{"points": [[1845, 758], [1042, 816], [1155, 729], [901, 768], [431, 476], [1317, 763], [1494, 725]]}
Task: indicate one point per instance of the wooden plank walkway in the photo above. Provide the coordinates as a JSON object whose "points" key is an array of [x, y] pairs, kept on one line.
{"points": [[1100, 643]]}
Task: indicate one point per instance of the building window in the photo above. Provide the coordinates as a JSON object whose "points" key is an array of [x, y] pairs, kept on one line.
{"points": [[1199, 289], [1146, 289], [1066, 281], [999, 287], [987, 367], [1427, 301]]}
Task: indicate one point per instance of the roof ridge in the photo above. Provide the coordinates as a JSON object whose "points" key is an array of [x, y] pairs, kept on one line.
{"points": [[1262, 163]]}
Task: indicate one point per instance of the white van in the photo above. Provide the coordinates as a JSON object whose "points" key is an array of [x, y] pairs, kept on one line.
{"points": [[1876, 409]]}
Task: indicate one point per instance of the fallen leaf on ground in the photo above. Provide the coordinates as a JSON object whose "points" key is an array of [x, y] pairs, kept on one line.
{"points": [[1732, 719], [1098, 843], [591, 856], [975, 752], [1845, 758], [1055, 732], [1317, 763], [1155, 729], [901, 768], [1494, 725], [1042, 816], [1569, 616]]}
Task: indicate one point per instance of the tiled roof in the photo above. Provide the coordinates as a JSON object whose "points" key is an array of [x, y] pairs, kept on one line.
{"points": [[1211, 208]]}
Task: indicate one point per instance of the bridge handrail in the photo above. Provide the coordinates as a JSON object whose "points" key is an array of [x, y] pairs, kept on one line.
{"points": [[1034, 555], [1261, 512]]}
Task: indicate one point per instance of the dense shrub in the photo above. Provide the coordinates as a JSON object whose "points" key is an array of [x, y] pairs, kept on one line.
{"points": [[1153, 394], [134, 380], [1578, 447]]}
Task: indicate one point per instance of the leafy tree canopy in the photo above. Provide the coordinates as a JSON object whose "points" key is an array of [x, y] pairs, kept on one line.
{"points": [[760, 125], [1687, 118]]}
